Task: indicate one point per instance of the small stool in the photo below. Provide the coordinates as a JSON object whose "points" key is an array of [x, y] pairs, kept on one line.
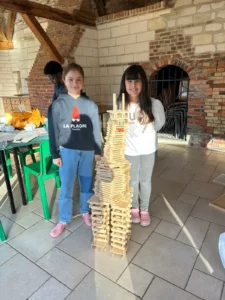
{"points": [[22, 156]]}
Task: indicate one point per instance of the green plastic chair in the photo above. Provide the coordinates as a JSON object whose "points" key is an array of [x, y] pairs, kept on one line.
{"points": [[43, 170], [2, 233], [22, 155]]}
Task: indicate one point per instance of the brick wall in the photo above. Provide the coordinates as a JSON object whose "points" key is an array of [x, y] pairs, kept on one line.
{"points": [[194, 48], [65, 38], [23, 66], [189, 34], [171, 46], [2, 111], [215, 104]]}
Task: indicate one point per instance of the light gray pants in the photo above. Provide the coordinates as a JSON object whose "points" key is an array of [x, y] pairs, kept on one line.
{"points": [[141, 174]]}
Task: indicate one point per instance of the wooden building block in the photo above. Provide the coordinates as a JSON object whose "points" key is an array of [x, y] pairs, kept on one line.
{"points": [[111, 204], [11, 104]]}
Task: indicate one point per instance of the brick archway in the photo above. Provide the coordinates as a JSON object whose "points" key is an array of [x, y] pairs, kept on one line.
{"points": [[199, 89], [161, 63]]}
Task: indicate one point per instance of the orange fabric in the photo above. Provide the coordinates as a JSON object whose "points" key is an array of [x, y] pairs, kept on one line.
{"points": [[20, 119]]}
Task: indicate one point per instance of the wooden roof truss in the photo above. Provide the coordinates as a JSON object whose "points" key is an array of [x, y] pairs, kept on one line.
{"points": [[29, 11], [7, 35]]}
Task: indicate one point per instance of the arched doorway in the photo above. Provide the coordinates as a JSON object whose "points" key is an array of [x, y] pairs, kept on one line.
{"points": [[171, 86]]}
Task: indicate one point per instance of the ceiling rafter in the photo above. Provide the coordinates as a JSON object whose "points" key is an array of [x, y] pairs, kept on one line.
{"points": [[10, 25], [6, 37], [3, 37], [29, 11], [100, 5], [6, 46], [48, 12]]}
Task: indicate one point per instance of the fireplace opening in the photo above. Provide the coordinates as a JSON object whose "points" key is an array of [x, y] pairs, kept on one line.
{"points": [[171, 86]]}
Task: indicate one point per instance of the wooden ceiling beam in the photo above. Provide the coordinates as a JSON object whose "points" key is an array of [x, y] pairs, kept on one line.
{"points": [[100, 7], [10, 25], [40, 34], [48, 12], [2, 35], [136, 3], [6, 46]]}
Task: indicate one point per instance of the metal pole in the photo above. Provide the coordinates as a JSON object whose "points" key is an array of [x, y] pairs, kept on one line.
{"points": [[19, 175]]}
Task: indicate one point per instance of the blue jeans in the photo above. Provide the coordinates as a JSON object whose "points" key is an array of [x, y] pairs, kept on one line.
{"points": [[74, 162]]}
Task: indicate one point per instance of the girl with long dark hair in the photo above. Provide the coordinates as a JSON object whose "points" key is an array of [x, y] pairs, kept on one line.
{"points": [[145, 116]]}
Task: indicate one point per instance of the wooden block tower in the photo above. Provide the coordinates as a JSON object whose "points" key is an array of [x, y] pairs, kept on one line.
{"points": [[111, 203]]}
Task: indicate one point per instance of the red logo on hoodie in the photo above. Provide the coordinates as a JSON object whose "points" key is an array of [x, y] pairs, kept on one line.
{"points": [[75, 114]]}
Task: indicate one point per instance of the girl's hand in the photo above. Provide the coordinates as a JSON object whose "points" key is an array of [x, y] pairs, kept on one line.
{"points": [[97, 158], [57, 162]]}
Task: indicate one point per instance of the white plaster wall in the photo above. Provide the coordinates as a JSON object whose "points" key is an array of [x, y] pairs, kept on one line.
{"points": [[126, 41], [7, 84], [86, 55], [26, 47]]}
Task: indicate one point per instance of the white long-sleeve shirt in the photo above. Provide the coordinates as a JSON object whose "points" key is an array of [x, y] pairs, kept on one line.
{"points": [[141, 139]]}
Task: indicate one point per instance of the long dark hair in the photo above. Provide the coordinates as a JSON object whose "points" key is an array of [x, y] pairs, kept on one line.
{"points": [[135, 72]]}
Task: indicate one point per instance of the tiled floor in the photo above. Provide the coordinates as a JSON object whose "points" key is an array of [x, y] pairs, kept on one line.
{"points": [[176, 258]]}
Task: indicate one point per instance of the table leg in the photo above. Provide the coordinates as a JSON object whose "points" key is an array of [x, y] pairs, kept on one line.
{"points": [[7, 181], [102, 124], [19, 175]]}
